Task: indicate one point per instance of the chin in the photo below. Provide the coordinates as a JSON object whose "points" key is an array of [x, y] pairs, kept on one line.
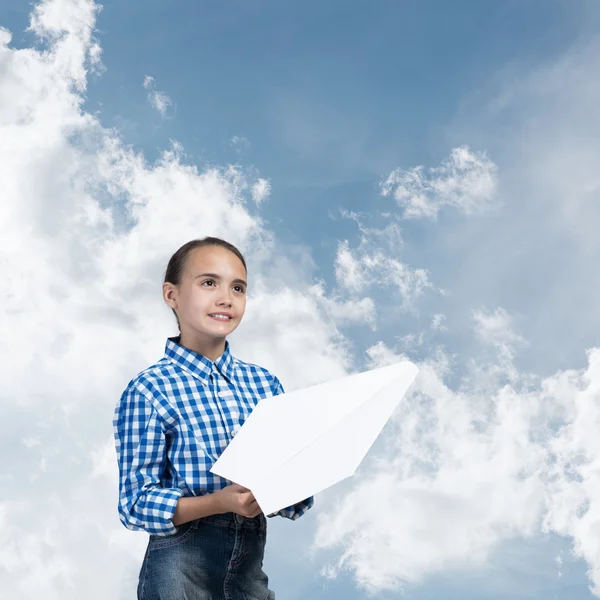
{"points": [[214, 328]]}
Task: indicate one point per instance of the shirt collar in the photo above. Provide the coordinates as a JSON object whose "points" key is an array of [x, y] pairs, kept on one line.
{"points": [[197, 364]]}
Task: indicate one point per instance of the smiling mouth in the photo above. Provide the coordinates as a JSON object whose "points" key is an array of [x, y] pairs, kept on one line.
{"points": [[220, 317]]}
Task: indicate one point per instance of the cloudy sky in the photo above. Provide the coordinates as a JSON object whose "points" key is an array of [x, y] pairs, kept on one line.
{"points": [[414, 179]]}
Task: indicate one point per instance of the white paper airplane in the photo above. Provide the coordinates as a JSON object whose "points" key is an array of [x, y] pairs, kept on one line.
{"points": [[295, 445]]}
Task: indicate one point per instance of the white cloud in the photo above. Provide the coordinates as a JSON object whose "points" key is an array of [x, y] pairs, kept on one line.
{"points": [[537, 255], [436, 322], [380, 355], [158, 99], [356, 270], [376, 261], [86, 229], [348, 270], [496, 331], [505, 453], [85, 234], [261, 190], [300, 333], [343, 311], [240, 143], [466, 181], [388, 237], [467, 469]]}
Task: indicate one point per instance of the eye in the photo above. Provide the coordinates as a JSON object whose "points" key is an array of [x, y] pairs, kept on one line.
{"points": [[208, 281], [239, 288]]}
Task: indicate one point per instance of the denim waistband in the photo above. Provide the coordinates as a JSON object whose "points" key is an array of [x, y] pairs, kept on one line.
{"points": [[234, 521]]}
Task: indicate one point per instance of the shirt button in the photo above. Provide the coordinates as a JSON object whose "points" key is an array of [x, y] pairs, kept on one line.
{"points": [[235, 430]]}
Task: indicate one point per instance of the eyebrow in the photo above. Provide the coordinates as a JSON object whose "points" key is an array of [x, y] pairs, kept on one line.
{"points": [[215, 276]]}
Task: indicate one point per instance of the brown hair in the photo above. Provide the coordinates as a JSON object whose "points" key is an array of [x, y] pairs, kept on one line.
{"points": [[177, 262]]}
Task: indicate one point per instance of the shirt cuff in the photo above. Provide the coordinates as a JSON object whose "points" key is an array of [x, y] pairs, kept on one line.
{"points": [[295, 511], [159, 508]]}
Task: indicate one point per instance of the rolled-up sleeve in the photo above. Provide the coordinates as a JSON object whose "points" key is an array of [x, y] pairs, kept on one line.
{"points": [[296, 510], [141, 455]]}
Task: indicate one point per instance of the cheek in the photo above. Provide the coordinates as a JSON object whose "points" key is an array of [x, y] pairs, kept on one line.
{"points": [[241, 303], [194, 300]]}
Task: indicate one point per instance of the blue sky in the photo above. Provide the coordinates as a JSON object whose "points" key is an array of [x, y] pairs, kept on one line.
{"points": [[481, 121], [330, 99]]}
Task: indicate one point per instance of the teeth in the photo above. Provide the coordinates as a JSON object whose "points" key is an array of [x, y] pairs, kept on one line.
{"points": [[222, 317]]}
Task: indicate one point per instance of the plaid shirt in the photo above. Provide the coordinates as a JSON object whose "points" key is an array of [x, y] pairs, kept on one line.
{"points": [[172, 423]]}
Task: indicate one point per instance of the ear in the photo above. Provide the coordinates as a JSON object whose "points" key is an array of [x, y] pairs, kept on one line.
{"points": [[170, 295]]}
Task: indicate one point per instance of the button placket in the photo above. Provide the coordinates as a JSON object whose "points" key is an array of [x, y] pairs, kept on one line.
{"points": [[225, 395], [214, 379]]}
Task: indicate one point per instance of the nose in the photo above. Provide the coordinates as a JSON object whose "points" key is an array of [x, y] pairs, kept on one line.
{"points": [[224, 297]]}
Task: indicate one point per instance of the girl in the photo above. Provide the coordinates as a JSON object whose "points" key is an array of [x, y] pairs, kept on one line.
{"points": [[174, 419]]}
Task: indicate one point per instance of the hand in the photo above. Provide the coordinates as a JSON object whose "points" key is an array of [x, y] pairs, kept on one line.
{"points": [[239, 500]]}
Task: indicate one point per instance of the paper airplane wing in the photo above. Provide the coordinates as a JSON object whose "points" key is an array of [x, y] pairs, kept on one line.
{"points": [[281, 426], [297, 444], [336, 454]]}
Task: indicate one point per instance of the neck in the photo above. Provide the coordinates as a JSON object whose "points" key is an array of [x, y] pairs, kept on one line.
{"points": [[210, 348]]}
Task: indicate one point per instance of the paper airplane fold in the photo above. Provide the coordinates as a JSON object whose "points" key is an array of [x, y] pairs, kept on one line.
{"points": [[295, 445]]}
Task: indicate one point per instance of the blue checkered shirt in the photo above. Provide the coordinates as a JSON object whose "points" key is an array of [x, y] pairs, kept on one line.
{"points": [[172, 423]]}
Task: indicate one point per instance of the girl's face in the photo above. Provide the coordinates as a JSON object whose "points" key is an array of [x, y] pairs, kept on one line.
{"points": [[211, 298]]}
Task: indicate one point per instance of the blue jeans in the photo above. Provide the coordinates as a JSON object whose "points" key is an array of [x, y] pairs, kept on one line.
{"points": [[219, 557]]}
